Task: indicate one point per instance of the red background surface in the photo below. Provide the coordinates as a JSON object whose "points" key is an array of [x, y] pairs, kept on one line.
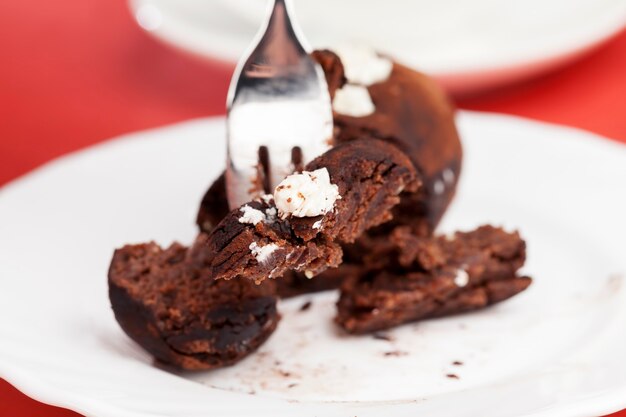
{"points": [[76, 72]]}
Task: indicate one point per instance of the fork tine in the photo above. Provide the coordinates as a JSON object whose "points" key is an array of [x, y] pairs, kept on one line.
{"points": [[296, 158], [265, 164]]}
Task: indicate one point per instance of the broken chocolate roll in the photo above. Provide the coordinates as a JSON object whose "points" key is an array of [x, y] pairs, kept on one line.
{"points": [[421, 277]]}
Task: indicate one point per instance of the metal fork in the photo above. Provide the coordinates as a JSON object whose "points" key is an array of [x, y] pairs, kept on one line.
{"points": [[279, 109]]}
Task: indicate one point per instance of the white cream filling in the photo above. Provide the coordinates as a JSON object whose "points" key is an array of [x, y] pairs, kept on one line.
{"points": [[308, 194], [261, 253], [251, 215], [462, 278], [270, 215], [362, 65], [267, 198], [353, 100]]}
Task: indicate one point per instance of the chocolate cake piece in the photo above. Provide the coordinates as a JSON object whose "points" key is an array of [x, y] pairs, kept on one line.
{"points": [[371, 175], [167, 301], [267, 249], [214, 208], [256, 242], [422, 277]]}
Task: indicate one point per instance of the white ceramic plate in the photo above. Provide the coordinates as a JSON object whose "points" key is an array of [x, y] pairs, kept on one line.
{"points": [[555, 350], [467, 45]]}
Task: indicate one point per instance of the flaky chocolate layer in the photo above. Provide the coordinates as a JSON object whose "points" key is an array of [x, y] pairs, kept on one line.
{"points": [[417, 278]]}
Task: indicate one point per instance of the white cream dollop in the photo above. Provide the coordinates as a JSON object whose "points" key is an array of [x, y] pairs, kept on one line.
{"points": [[308, 194], [362, 65], [251, 215], [261, 253], [462, 278], [353, 100]]}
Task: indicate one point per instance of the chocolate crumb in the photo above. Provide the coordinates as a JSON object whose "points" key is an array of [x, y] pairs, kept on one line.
{"points": [[452, 376], [306, 306], [284, 373], [382, 336], [457, 363], [396, 353], [291, 385]]}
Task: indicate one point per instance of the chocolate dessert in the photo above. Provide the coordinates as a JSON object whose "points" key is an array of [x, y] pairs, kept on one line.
{"points": [[360, 217], [168, 302], [292, 231], [410, 278], [211, 305], [407, 109]]}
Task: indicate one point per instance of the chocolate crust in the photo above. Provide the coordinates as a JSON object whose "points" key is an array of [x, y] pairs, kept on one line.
{"points": [[431, 277]]}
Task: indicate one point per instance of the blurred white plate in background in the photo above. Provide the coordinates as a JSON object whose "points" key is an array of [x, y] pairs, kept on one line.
{"points": [[466, 44], [556, 350]]}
